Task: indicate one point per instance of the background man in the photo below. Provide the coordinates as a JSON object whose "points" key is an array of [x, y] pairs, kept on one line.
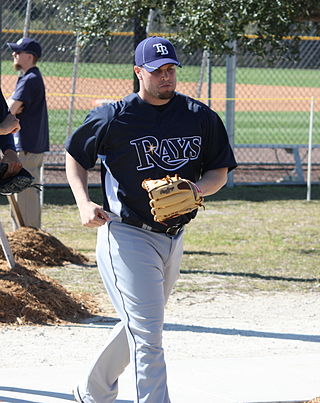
{"points": [[28, 102]]}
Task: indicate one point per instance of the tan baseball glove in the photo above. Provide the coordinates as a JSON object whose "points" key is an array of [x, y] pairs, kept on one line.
{"points": [[172, 196]]}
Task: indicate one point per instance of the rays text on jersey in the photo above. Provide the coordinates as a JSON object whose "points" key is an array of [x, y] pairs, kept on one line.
{"points": [[169, 154]]}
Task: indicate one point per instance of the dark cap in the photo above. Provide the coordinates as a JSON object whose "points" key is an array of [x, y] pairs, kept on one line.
{"points": [[154, 52], [26, 45]]}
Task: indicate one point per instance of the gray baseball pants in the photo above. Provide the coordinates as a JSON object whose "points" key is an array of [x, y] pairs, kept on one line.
{"points": [[139, 269]]}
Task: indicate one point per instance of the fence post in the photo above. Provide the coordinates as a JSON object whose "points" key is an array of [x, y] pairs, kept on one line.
{"points": [[27, 19], [202, 70], [209, 71], [150, 20], [6, 248], [310, 149], [73, 86], [231, 66]]}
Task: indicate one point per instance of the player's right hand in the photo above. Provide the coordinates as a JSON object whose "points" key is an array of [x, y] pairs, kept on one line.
{"points": [[93, 215], [9, 125], [10, 157]]}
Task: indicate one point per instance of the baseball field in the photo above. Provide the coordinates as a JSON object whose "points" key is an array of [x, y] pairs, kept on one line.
{"points": [[272, 105], [247, 240], [245, 310]]}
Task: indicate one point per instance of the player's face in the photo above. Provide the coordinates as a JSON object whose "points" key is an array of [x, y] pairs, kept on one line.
{"points": [[16, 58], [159, 86], [20, 60]]}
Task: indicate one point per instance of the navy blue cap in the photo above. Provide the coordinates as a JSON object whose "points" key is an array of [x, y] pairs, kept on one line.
{"points": [[154, 52], [26, 45]]}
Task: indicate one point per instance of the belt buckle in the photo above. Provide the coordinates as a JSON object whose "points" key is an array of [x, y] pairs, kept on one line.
{"points": [[174, 230]]}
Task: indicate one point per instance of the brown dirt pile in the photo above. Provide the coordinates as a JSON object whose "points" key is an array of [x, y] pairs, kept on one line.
{"points": [[30, 297], [31, 246]]}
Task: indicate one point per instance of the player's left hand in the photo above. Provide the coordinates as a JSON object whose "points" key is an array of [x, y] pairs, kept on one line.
{"points": [[172, 196]]}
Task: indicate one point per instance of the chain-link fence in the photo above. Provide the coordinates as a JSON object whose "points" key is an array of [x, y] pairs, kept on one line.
{"points": [[271, 112]]}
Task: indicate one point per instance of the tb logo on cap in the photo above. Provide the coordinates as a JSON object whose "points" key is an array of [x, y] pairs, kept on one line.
{"points": [[162, 49]]}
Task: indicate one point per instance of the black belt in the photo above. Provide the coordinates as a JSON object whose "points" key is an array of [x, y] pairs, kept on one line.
{"points": [[170, 231]]}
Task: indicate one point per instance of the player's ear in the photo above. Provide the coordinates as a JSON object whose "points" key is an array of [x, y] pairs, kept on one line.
{"points": [[137, 70]]}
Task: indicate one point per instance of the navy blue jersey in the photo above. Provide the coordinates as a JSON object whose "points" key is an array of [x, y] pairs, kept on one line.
{"points": [[3, 107], [34, 133], [136, 140]]}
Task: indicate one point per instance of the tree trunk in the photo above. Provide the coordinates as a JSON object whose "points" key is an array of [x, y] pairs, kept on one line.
{"points": [[140, 33]]}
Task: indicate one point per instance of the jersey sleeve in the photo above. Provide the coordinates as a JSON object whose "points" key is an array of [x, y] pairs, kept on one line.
{"points": [[27, 90], [3, 107], [218, 152], [7, 142], [84, 144], [24, 91]]}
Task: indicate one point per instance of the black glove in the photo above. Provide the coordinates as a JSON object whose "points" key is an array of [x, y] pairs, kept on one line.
{"points": [[16, 183]]}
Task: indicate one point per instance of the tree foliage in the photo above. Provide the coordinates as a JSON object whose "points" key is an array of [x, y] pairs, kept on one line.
{"points": [[258, 27], [96, 19]]}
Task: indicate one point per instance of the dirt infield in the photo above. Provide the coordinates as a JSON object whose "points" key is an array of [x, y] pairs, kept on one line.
{"points": [[91, 91]]}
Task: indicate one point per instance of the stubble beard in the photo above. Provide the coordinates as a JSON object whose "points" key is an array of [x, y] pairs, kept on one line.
{"points": [[17, 66], [166, 95]]}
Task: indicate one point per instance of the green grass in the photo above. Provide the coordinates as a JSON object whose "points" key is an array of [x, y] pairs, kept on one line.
{"points": [[58, 123], [283, 77], [256, 240], [247, 240], [275, 128], [261, 76], [254, 246]]}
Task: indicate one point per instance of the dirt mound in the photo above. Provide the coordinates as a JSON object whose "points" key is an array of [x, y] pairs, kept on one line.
{"points": [[30, 297], [31, 246]]}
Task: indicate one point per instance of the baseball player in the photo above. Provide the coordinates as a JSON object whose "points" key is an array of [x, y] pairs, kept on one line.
{"points": [[28, 102], [154, 133]]}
